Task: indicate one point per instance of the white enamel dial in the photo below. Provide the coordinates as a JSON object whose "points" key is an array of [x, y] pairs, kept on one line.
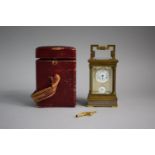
{"points": [[102, 90], [102, 76]]}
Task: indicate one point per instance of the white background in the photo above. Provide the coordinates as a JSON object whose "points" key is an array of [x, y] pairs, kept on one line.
{"points": [[77, 141]]}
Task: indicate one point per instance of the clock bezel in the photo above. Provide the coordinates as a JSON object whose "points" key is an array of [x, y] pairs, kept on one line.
{"points": [[113, 79], [96, 69]]}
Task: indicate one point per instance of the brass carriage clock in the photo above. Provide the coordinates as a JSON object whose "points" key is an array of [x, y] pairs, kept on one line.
{"points": [[102, 89]]}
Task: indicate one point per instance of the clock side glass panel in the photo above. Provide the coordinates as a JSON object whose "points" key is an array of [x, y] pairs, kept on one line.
{"points": [[102, 80]]}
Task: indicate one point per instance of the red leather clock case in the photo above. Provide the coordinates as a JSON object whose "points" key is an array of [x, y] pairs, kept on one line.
{"points": [[59, 60]]}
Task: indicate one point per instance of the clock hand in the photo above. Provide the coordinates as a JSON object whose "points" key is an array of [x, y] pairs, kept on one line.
{"points": [[102, 76]]}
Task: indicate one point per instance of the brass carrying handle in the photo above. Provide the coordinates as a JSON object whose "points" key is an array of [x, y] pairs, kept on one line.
{"points": [[46, 93], [104, 47]]}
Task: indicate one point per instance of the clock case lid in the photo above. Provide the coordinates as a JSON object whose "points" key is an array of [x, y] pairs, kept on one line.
{"points": [[56, 52]]}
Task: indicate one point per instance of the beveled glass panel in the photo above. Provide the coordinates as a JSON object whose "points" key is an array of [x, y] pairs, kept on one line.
{"points": [[102, 79]]}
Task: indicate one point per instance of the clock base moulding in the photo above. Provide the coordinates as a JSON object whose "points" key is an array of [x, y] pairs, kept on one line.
{"points": [[102, 101]]}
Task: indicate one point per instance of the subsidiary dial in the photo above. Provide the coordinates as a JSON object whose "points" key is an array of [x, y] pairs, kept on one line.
{"points": [[102, 90], [102, 76]]}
